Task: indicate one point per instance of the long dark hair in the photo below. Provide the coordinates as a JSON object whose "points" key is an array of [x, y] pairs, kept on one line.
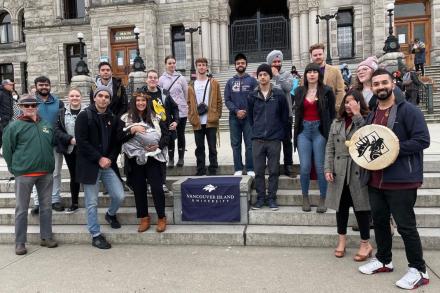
{"points": [[320, 88], [133, 112], [358, 97]]}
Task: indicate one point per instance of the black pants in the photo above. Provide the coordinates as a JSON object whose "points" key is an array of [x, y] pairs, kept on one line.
{"points": [[421, 67], [199, 137], [362, 217], [71, 165], [400, 204], [139, 174], [180, 140], [288, 147], [266, 151]]}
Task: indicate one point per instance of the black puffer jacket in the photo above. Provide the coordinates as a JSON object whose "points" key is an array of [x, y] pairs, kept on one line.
{"points": [[6, 111], [326, 109]]}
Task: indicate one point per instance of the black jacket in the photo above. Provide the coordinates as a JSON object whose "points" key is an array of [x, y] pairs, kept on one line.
{"points": [[326, 109], [88, 135], [6, 111], [269, 117], [119, 102]]}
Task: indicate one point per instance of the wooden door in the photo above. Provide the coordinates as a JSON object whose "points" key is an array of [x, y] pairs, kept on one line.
{"points": [[122, 60], [407, 31]]}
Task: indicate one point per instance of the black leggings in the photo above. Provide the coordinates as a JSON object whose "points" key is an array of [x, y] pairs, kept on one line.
{"points": [[139, 174], [420, 67], [180, 140], [362, 217], [71, 165]]}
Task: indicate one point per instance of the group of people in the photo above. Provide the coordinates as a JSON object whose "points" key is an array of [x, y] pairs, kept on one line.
{"points": [[262, 113]]}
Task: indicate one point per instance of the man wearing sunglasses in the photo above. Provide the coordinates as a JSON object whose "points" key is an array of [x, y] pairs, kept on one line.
{"points": [[27, 149]]}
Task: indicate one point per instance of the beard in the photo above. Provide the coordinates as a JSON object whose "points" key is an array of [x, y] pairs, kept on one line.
{"points": [[384, 94], [43, 93], [240, 69], [278, 67]]}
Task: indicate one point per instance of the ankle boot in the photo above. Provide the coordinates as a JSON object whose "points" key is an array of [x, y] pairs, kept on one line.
{"points": [[180, 161], [144, 224], [161, 224], [321, 207], [306, 204]]}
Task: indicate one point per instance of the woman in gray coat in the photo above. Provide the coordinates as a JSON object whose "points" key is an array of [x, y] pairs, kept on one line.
{"points": [[342, 174]]}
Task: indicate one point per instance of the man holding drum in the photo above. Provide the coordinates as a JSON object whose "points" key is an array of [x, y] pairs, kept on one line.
{"points": [[393, 189]]}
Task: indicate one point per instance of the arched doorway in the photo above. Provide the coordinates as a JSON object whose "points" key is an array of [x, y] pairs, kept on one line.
{"points": [[413, 20], [258, 27]]}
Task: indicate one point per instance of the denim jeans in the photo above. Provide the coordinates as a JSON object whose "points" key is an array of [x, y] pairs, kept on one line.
{"points": [[115, 190], [239, 128], [56, 197], [311, 144]]}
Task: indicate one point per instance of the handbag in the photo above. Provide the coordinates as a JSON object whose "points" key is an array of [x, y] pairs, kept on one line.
{"points": [[202, 108]]}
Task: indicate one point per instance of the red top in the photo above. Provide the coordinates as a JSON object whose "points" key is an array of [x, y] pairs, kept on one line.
{"points": [[376, 177], [311, 110]]}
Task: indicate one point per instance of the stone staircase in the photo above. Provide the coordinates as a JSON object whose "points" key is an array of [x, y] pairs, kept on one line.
{"points": [[289, 226], [434, 73]]}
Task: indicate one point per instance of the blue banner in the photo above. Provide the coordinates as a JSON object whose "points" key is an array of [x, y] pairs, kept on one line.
{"points": [[211, 199]]}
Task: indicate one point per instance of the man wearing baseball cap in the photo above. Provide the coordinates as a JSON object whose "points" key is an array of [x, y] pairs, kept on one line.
{"points": [[96, 133], [27, 149]]}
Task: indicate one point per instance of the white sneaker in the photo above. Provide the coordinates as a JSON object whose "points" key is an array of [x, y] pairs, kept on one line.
{"points": [[251, 173], [165, 188], [413, 279], [375, 266], [238, 173]]}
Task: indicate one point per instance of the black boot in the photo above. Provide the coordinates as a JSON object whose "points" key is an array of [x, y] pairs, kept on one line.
{"points": [[288, 170], [180, 161]]}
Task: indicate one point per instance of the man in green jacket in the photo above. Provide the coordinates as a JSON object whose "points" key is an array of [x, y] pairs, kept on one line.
{"points": [[27, 149]]}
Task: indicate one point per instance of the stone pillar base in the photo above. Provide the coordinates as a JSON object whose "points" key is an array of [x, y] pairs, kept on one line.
{"points": [[136, 80], [389, 61], [84, 84]]}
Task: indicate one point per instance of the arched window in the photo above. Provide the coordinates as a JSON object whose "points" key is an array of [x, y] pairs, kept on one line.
{"points": [[21, 23], [5, 28]]}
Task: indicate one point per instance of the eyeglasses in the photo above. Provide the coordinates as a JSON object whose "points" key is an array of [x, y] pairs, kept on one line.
{"points": [[30, 105]]}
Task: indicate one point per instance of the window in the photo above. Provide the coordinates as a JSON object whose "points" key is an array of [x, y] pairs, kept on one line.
{"points": [[22, 25], [74, 9], [72, 55], [178, 46], [6, 71], [5, 28], [345, 34], [417, 8]]}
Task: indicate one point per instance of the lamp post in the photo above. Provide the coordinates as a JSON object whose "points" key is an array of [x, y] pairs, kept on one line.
{"points": [[81, 67], [391, 43], [192, 30], [327, 18], [138, 63]]}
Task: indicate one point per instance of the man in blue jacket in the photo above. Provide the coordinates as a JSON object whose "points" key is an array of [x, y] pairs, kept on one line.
{"points": [[393, 190], [48, 108], [268, 115], [237, 90]]}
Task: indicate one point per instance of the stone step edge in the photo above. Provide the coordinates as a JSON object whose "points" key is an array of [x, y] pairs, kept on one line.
{"points": [[219, 235]]}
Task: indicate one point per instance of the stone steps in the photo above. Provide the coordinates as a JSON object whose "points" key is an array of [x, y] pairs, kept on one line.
{"points": [[294, 216], [237, 235]]}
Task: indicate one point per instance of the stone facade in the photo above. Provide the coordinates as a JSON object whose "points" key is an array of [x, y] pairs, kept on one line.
{"points": [[48, 32]]}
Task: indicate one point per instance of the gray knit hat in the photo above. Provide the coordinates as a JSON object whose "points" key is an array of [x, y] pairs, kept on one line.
{"points": [[274, 54], [101, 88]]}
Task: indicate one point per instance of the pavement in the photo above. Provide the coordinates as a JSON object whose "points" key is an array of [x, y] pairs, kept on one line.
{"points": [[142, 268]]}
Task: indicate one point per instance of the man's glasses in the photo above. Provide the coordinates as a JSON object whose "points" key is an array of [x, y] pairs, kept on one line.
{"points": [[30, 105]]}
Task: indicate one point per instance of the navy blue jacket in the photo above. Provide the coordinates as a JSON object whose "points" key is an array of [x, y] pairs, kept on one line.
{"points": [[408, 123], [268, 117], [237, 90]]}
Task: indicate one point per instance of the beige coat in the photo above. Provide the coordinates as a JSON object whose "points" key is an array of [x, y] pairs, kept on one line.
{"points": [[333, 78], [339, 162], [214, 107]]}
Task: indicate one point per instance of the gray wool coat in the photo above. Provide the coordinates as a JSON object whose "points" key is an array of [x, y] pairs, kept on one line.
{"points": [[339, 162]]}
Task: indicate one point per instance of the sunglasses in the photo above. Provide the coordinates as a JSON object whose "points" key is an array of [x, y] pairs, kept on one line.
{"points": [[30, 105]]}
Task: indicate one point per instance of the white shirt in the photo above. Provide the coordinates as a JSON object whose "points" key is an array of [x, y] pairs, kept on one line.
{"points": [[199, 88]]}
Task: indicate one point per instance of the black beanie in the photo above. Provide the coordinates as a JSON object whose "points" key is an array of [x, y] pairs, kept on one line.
{"points": [[265, 67]]}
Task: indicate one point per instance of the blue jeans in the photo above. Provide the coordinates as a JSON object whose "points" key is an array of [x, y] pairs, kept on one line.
{"points": [[113, 185], [311, 142], [237, 129]]}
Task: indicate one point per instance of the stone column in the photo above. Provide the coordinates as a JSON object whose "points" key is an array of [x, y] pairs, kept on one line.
{"points": [[435, 32], [59, 9], [294, 33], [215, 46], [15, 31], [313, 27], [224, 46], [304, 33], [206, 38]]}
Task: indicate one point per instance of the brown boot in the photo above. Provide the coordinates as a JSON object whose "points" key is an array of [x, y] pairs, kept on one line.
{"points": [[161, 224], [144, 225]]}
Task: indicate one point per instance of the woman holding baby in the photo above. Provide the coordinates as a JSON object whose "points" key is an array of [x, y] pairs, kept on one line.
{"points": [[145, 140]]}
